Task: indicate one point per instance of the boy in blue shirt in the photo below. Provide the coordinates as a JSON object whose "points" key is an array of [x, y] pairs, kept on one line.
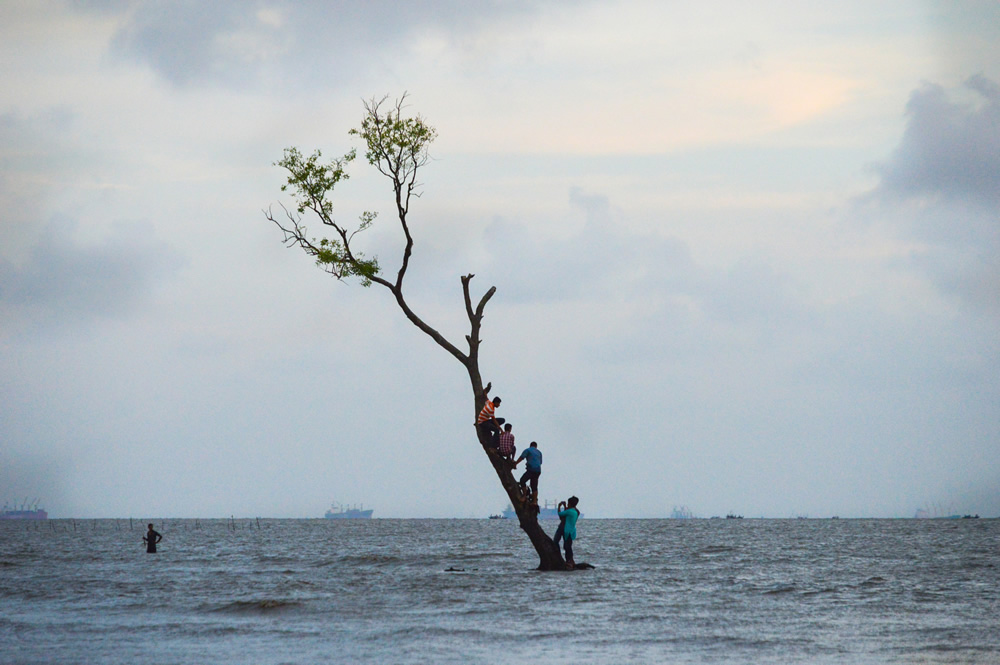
{"points": [[533, 467]]}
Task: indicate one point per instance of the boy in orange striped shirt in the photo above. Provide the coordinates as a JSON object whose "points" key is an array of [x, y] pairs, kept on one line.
{"points": [[487, 421]]}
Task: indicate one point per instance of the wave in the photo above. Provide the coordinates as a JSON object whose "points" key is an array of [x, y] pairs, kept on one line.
{"points": [[255, 607], [924, 596], [715, 549], [359, 560], [478, 556], [872, 582]]}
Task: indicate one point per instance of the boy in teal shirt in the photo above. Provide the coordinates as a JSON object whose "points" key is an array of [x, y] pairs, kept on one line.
{"points": [[567, 527]]}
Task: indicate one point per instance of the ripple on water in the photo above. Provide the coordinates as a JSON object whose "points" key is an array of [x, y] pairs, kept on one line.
{"points": [[261, 606]]}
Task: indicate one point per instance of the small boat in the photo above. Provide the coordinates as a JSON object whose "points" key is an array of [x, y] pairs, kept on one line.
{"points": [[498, 517], [342, 512]]}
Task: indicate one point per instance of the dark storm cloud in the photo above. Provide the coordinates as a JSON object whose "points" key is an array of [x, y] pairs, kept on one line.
{"points": [[231, 42], [64, 281], [949, 148], [948, 165]]}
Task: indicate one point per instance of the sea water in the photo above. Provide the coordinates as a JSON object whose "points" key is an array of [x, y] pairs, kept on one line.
{"points": [[465, 591]]}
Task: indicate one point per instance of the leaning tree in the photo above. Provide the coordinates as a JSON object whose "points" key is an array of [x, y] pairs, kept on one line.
{"points": [[397, 147]]}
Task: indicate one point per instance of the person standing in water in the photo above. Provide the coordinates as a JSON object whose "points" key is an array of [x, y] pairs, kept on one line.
{"points": [[562, 524], [571, 513], [151, 538]]}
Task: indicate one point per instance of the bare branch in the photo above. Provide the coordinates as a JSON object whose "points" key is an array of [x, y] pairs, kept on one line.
{"points": [[431, 332], [482, 303], [468, 300]]}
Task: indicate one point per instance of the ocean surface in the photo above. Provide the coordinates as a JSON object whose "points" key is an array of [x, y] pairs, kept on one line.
{"points": [[465, 591]]}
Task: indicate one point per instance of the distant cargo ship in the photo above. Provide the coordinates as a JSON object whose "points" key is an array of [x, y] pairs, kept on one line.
{"points": [[939, 512], [546, 512], [25, 512], [339, 512]]}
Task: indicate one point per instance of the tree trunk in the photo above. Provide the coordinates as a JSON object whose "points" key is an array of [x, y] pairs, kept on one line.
{"points": [[549, 556]]}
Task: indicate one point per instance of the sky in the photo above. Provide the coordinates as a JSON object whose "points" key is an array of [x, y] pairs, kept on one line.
{"points": [[747, 257]]}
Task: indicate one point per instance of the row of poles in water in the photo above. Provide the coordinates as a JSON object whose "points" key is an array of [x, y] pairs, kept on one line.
{"points": [[71, 525]]}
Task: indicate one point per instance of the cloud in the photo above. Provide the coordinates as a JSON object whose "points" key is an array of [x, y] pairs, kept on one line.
{"points": [[949, 149], [597, 258], [602, 260], [37, 154], [52, 270], [65, 281], [232, 43], [182, 40], [940, 190]]}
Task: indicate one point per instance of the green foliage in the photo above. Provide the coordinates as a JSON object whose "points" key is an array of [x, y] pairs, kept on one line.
{"points": [[332, 257], [397, 146], [312, 181]]}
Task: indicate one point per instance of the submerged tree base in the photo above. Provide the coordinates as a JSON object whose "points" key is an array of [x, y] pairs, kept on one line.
{"points": [[579, 566], [567, 568]]}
